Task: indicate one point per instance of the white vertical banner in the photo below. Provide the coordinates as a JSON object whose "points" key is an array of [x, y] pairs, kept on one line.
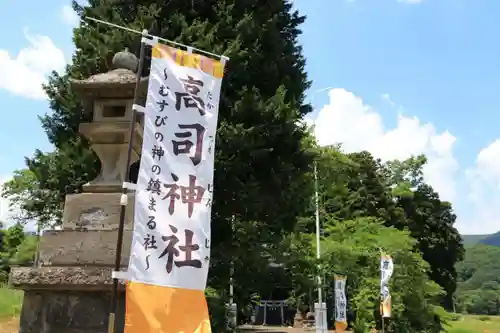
{"points": [[171, 236], [386, 270], [340, 304]]}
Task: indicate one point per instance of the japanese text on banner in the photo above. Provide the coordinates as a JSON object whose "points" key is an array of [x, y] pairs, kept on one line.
{"points": [[171, 239], [340, 304], [386, 270]]}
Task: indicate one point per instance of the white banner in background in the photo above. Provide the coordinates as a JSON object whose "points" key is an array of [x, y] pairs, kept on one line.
{"points": [[386, 270], [340, 304]]}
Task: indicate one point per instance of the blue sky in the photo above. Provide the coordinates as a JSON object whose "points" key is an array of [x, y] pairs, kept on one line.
{"points": [[409, 77]]}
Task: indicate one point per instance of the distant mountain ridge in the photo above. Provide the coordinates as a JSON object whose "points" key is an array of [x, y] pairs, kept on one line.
{"points": [[491, 239]]}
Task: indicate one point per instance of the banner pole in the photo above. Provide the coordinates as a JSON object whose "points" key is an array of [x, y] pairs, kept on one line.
{"points": [[145, 33], [382, 299], [381, 294], [124, 197]]}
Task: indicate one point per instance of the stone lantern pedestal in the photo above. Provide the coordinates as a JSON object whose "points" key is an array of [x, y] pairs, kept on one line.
{"points": [[69, 292]]}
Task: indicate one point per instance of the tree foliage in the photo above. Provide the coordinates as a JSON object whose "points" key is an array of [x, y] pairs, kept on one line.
{"points": [[357, 185], [478, 289], [17, 249], [13, 238], [352, 248], [431, 221]]}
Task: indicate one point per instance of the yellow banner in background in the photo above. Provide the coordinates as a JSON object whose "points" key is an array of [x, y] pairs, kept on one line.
{"points": [[385, 307]]}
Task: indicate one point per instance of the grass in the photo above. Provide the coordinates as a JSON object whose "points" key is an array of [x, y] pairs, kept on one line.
{"points": [[475, 324], [10, 302]]}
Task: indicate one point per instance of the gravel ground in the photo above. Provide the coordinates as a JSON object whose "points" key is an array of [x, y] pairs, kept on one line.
{"points": [[12, 326], [271, 329], [9, 326]]}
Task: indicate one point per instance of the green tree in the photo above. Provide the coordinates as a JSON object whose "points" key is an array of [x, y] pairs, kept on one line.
{"points": [[357, 185], [300, 266], [404, 176], [2, 233], [478, 288], [354, 185], [13, 238], [39, 190], [4, 263], [429, 220], [352, 248], [26, 251]]}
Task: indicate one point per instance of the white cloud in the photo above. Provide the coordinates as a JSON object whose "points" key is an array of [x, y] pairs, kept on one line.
{"points": [[410, 1], [488, 161], [347, 120], [5, 211], [8, 213], [399, 1], [387, 98], [483, 180], [69, 16], [24, 74]]}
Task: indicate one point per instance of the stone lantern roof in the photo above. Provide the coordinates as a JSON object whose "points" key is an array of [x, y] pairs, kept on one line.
{"points": [[117, 83]]}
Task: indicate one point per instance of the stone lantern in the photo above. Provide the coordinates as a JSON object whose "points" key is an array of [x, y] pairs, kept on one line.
{"points": [[69, 290], [108, 100]]}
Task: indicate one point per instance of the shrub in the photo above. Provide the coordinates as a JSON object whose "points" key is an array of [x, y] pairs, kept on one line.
{"points": [[10, 301], [217, 310]]}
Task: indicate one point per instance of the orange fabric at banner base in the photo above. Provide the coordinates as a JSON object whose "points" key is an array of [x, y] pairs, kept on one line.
{"points": [[157, 309], [385, 307], [340, 326]]}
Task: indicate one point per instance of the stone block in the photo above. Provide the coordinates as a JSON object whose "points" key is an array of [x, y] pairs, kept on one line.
{"points": [[31, 313], [68, 312], [83, 248], [96, 211]]}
